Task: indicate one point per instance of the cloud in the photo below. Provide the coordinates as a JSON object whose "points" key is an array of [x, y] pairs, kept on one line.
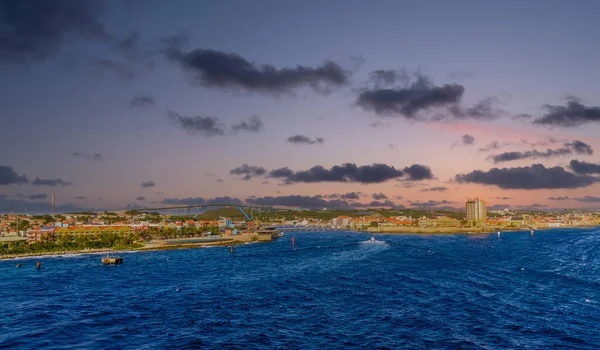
{"points": [[80, 197], [140, 198], [216, 69], [575, 147], [35, 30], [588, 199], [482, 110], [350, 172], [96, 157], [254, 124], [490, 146], [301, 139], [584, 167], [351, 195], [212, 126], [39, 207], [9, 177], [38, 196], [312, 202], [219, 180], [142, 101], [149, 183], [467, 139], [247, 172], [379, 196], [198, 125], [200, 201], [503, 198], [559, 198], [375, 204], [408, 99], [574, 113], [435, 189], [437, 205], [51, 182], [531, 177]]}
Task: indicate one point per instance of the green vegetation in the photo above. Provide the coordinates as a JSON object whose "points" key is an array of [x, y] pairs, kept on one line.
{"points": [[114, 240]]}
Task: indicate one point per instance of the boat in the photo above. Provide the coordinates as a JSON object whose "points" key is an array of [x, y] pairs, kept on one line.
{"points": [[110, 259], [273, 231]]}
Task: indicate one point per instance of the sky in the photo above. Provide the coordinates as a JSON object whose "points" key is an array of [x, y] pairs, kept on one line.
{"points": [[336, 104]]}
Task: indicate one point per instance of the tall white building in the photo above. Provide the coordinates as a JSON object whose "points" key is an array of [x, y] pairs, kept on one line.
{"points": [[476, 210]]}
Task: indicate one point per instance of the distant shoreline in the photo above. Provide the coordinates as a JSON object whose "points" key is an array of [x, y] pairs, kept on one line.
{"points": [[460, 230]]}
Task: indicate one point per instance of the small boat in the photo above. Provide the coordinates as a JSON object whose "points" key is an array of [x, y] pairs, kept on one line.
{"points": [[110, 259]]}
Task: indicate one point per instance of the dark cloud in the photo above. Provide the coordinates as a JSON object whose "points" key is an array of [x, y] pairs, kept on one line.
{"points": [[311, 202], [198, 125], [299, 139], [417, 172], [219, 180], [140, 198], [351, 195], [503, 198], [9, 177], [379, 196], [467, 139], [375, 204], [96, 157], [121, 70], [253, 124], [35, 30], [199, 201], [215, 69], [147, 184], [142, 101], [350, 172], [391, 145], [437, 205], [183, 201], [80, 197], [531, 177], [39, 196], [435, 189], [225, 200], [588, 199], [575, 147], [247, 172], [482, 110], [212, 126], [408, 99], [398, 197], [51, 182], [559, 198], [574, 113], [40, 207], [584, 167], [580, 147]]}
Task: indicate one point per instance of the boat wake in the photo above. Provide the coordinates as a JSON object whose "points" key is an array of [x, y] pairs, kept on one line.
{"points": [[373, 241]]}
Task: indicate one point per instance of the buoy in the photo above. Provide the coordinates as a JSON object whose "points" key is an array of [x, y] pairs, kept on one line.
{"points": [[38, 265], [293, 242], [18, 265], [230, 249], [531, 232], [498, 234]]}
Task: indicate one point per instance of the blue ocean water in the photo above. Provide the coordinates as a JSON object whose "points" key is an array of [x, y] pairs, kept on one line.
{"points": [[332, 291]]}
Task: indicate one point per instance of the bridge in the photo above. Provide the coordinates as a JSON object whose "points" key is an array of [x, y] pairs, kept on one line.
{"points": [[239, 207]]}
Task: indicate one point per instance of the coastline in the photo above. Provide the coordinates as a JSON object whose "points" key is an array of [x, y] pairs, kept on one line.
{"points": [[460, 230], [146, 247]]}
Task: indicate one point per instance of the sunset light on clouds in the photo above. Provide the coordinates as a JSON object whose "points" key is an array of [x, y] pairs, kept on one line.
{"points": [[144, 103]]}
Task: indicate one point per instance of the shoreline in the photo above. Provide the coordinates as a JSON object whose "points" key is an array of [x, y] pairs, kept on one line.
{"points": [[461, 230], [145, 248]]}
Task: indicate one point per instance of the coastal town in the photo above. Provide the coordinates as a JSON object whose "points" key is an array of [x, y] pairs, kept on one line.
{"points": [[133, 228]]}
